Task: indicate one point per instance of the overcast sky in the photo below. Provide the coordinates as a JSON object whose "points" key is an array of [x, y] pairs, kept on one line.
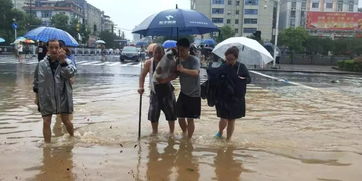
{"points": [[129, 13]]}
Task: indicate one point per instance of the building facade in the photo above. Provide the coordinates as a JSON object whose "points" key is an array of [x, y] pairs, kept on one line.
{"points": [[244, 16], [93, 18], [19, 4], [293, 13], [44, 10]]}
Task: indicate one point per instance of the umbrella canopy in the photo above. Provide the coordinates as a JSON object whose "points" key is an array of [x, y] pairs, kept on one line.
{"points": [[29, 41], [141, 43], [270, 47], [251, 52], [19, 39], [169, 44], [210, 42], [49, 33], [175, 22], [2, 40], [100, 42]]}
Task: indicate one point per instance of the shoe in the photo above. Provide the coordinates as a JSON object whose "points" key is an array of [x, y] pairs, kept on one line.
{"points": [[218, 135]]}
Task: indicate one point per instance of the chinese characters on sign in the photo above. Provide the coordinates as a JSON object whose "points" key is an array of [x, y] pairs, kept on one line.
{"points": [[334, 21]]}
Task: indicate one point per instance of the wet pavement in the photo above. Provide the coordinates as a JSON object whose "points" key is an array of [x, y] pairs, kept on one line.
{"points": [[326, 69], [290, 132]]}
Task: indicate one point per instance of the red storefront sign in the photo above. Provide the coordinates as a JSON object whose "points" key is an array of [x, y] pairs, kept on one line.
{"points": [[334, 21]]}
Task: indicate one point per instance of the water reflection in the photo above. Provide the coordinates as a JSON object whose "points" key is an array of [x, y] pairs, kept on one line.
{"points": [[159, 166], [226, 165], [186, 164], [57, 164]]}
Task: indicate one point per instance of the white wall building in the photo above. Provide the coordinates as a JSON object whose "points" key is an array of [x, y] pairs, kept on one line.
{"points": [[244, 16], [293, 12], [19, 4]]}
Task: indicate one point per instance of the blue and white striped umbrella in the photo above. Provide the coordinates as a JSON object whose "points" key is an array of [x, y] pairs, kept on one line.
{"points": [[49, 33]]}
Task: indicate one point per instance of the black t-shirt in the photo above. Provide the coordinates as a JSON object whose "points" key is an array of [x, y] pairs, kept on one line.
{"points": [[42, 52]]}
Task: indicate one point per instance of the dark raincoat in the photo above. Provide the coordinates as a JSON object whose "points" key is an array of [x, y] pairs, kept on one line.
{"points": [[230, 93]]}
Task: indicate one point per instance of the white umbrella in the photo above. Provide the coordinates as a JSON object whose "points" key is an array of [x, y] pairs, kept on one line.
{"points": [[251, 52], [100, 42]]}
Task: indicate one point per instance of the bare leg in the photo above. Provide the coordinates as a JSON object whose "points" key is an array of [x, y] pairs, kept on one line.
{"points": [[68, 124], [171, 124], [183, 125], [190, 127], [47, 133], [222, 125], [154, 127], [230, 129]]}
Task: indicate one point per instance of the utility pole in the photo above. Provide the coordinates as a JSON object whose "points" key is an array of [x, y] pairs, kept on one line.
{"points": [[31, 7], [276, 33]]}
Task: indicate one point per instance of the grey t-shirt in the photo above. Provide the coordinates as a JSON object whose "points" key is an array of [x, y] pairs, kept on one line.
{"points": [[190, 85]]}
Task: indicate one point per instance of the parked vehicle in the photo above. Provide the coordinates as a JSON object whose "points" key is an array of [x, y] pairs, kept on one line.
{"points": [[129, 53]]}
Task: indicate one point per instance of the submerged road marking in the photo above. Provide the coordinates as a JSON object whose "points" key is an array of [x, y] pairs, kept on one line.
{"points": [[283, 80]]}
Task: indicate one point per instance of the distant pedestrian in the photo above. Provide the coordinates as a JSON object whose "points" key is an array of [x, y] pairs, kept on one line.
{"points": [[230, 98], [19, 51], [54, 94], [41, 50], [163, 97], [103, 53], [189, 101]]}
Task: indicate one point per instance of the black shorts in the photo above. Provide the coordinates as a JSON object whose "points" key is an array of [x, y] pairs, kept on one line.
{"points": [[188, 107], [164, 101]]}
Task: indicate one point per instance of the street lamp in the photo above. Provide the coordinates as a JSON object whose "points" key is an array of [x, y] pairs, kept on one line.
{"points": [[276, 33]]}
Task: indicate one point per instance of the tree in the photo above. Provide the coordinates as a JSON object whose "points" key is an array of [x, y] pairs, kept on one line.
{"points": [[32, 21], [109, 38], [294, 39], [225, 33], [60, 21], [73, 27], [6, 19], [316, 45], [8, 14], [84, 32]]}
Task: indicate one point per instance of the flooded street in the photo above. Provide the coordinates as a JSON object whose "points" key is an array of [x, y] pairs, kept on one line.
{"points": [[290, 132]]}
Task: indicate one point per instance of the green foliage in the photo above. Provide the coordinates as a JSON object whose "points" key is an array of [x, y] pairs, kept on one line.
{"points": [[109, 38], [298, 41], [60, 21], [24, 21], [225, 33], [316, 45], [294, 39], [351, 65], [73, 27]]}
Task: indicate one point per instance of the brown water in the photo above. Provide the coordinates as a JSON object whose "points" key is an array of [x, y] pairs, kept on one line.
{"points": [[290, 133]]}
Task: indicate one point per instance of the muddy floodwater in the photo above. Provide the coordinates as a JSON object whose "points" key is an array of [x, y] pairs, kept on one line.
{"points": [[291, 132]]}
